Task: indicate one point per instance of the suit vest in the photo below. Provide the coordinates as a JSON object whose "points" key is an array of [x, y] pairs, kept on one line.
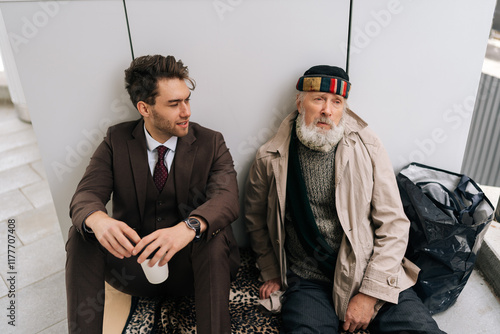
{"points": [[161, 209]]}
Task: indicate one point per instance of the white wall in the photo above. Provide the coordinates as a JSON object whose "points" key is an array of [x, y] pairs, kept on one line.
{"points": [[246, 57], [70, 56], [245, 60], [415, 68]]}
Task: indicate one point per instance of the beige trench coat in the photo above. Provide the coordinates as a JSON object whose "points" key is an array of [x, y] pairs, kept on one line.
{"points": [[371, 256]]}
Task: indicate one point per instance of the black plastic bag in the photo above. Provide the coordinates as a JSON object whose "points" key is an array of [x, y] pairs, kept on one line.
{"points": [[449, 216]]}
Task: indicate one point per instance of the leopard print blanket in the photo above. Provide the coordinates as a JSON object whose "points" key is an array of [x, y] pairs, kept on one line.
{"points": [[176, 315]]}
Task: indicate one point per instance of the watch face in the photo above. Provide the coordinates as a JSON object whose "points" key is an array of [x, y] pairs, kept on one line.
{"points": [[194, 222]]}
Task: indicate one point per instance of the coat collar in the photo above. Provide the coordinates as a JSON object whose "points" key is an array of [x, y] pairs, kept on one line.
{"points": [[353, 123], [280, 142], [345, 149]]}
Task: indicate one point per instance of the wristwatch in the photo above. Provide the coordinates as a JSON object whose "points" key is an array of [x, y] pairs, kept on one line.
{"points": [[195, 225]]}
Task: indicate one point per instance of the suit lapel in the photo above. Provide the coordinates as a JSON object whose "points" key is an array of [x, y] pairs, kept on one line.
{"points": [[137, 150], [185, 154]]}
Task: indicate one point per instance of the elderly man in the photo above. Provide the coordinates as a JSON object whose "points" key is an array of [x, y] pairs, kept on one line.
{"points": [[326, 222], [174, 193]]}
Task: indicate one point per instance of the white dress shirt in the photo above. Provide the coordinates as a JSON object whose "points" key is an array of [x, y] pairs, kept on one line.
{"points": [[152, 144]]}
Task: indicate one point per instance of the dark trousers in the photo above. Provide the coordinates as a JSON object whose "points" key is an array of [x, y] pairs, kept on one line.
{"points": [[308, 308], [205, 268]]}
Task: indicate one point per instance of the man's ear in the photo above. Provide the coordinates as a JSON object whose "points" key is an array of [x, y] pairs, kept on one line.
{"points": [[144, 108], [298, 102]]}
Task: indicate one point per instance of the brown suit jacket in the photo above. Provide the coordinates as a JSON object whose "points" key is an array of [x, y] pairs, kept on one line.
{"points": [[204, 178]]}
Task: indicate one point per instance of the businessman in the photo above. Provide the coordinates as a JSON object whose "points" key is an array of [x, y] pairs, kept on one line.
{"points": [[174, 195]]}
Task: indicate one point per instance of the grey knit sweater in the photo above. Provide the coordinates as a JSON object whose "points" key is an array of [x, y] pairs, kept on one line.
{"points": [[318, 170]]}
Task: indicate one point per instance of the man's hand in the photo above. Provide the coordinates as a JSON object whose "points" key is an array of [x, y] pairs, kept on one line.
{"points": [[269, 287], [168, 241], [359, 312], [112, 234]]}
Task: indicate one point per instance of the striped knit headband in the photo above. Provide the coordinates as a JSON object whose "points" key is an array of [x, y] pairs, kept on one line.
{"points": [[324, 78]]}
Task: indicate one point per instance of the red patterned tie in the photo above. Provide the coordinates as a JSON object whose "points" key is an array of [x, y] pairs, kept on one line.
{"points": [[160, 174]]}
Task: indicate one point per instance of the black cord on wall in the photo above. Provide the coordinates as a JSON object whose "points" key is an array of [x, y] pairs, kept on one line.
{"points": [[128, 29], [349, 38]]}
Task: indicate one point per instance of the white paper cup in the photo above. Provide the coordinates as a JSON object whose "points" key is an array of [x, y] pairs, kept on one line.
{"points": [[155, 274]]}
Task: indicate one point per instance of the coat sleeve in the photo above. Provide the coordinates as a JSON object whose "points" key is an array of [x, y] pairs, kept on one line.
{"points": [[256, 210], [95, 188], [220, 205], [385, 274]]}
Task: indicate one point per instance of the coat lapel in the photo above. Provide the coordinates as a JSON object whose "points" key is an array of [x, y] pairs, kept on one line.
{"points": [[137, 150], [345, 150], [185, 154], [280, 167], [280, 163]]}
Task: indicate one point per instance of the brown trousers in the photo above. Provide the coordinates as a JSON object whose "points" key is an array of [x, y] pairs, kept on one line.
{"points": [[205, 268]]}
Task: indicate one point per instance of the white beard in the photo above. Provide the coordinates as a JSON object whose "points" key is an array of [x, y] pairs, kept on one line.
{"points": [[316, 138]]}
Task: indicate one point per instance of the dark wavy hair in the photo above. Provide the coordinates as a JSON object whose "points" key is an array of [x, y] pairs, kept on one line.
{"points": [[141, 78]]}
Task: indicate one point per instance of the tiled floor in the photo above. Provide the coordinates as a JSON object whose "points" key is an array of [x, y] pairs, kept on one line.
{"points": [[40, 288], [40, 297]]}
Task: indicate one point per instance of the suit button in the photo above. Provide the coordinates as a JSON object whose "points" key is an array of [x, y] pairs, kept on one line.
{"points": [[160, 203], [158, 219]]}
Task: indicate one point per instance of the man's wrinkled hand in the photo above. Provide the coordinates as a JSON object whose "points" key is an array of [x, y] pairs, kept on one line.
{"points": [[269, 287], [112, 234], [359, 312]]}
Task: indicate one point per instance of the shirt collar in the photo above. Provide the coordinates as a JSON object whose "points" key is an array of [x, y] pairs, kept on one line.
{"points": [[152, 144]]}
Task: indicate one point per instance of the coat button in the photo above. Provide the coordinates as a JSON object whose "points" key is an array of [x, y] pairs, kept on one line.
{"points": [[158, 219]]}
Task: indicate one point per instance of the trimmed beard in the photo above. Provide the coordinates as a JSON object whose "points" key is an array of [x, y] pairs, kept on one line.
{"points": [[165, 126], [316, 138]]}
